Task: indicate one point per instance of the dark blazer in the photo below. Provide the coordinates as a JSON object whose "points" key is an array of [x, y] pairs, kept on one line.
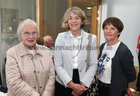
{"points": [[123, 70]]}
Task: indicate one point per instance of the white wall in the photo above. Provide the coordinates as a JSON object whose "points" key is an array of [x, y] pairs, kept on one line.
{"points": [[129, 12]]}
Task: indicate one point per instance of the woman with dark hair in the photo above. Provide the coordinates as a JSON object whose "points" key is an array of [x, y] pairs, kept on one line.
{"points": [[115, 61]]}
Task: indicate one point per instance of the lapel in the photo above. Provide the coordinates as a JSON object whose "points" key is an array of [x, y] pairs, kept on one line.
{"points": [[68, 45], [83, 53]]}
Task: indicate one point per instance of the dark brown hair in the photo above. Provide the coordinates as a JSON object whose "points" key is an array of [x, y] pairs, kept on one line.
{"points": [[116, 22]]}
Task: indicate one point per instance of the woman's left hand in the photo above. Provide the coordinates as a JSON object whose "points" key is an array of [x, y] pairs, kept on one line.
{"points": [[129, 92], [78, 94]]}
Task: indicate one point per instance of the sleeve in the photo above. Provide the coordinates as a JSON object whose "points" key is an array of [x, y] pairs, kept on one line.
{"points": [[49, 89], [61, 72], [16, 86], [89, 75], [128, 65]]}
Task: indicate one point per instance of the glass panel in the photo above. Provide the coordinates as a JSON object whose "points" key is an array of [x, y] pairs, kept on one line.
{"points": [[52, 13], [11, 13], [86, 6]]}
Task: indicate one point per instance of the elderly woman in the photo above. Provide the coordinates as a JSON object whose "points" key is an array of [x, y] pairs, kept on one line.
{"points": [[72, 56], [29, 66], [115, 64]]}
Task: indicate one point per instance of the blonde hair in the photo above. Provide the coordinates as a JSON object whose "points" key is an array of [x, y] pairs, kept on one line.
{"points": [[76, 10]]}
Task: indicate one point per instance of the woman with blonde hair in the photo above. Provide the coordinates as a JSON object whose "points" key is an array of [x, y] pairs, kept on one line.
{"points": [[72, 78]]}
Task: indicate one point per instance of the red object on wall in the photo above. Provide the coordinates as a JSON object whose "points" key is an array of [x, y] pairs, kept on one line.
{"points": [[138, 43]]}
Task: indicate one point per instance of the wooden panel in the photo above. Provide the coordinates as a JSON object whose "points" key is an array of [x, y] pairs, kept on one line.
{"points": [[89, 1], [69, 3], [99, 25], [39, 16], [40, 19], [94, 20]]}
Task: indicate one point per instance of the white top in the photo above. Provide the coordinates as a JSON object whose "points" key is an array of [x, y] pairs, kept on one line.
{"points": [[105, 63], [76, 42], [64, 62]]}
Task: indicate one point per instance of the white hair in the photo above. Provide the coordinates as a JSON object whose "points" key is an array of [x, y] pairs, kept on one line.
{"points": [[22, 23]]}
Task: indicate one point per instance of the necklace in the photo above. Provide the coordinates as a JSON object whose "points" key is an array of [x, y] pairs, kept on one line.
{"points": [[78, 48]]}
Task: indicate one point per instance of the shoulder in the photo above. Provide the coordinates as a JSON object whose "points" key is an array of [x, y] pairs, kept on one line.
{"points": [[123, 47], [124, 50], [42, 49], [12, 49], [86, 34], [93, 36], [61, 37], [102, 46], [62, 34]]}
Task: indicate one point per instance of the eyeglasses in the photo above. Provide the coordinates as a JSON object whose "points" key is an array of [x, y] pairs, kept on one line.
{"points": [[28, 33]]}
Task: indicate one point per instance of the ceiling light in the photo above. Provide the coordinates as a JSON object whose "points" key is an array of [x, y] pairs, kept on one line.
{"points": [[88, 7]]}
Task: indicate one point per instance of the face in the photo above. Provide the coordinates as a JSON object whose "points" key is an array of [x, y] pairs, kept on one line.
{"points": [[29, 35], [49, 43], [74, 22], [111, 33]]}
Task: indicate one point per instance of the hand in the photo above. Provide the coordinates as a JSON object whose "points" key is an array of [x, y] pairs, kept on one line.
{"points": [[129, 92], [74, 93], [83, 85], [77, 88]]}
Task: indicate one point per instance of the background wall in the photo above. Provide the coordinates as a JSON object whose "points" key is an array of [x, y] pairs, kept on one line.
{"points": [[26, 8], [53, 11], [129, 12], [11, 13]]}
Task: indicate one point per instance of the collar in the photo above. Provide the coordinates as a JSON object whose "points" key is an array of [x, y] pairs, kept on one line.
{"points": [[79, 37], [23, 51]]}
